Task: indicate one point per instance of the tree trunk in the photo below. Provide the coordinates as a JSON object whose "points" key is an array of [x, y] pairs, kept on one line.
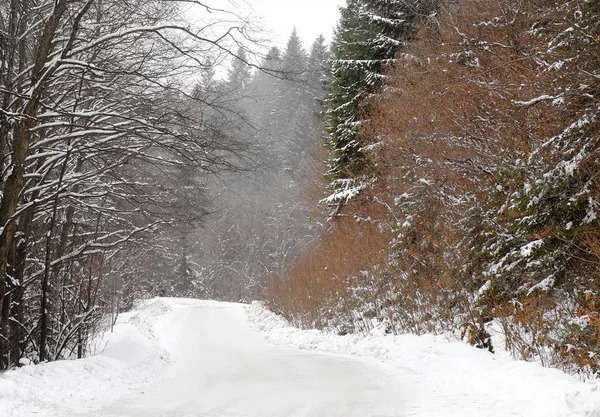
{"points": [[20, 150], [47, 262]]}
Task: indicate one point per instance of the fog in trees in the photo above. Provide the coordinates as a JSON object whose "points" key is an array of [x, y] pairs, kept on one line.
{"points": [[261, 218]]}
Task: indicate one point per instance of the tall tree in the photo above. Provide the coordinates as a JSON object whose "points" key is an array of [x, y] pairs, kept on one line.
{"points": [[289, 113], [368, 35], [238, 75]]}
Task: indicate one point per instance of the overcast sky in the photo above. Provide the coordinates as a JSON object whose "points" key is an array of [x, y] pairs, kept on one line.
{"points": [[275, 18], [311, 18]]}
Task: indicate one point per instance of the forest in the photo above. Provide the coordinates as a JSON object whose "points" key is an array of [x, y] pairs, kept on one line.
{"points": [[462, 179], [432, 169]]}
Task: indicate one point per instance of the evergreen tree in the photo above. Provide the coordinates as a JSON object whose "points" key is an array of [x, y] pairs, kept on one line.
{"points": [[238, 76], [284, 105], [264, 83], [294, 58], [263, 87], [319, 54], [261, 221], [292, 106], [368, 35]]}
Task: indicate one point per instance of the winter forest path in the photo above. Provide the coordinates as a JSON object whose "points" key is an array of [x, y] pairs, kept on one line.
{"points": [[221, 367], [190, 358]]}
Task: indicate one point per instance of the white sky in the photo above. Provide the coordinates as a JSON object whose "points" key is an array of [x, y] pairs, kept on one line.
{"points": [[311, 18], [275, 19]]}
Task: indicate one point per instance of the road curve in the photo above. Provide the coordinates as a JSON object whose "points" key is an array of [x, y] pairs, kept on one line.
{"points": [[221, 367]]}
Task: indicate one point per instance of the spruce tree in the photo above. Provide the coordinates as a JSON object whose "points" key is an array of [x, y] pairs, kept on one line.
{"points": [[238, 76], [294, 100], [369, 34], [315, 77], [282, 124]]}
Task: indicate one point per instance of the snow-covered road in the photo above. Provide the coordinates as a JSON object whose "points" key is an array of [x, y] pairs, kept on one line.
{"points": [[184, 358], [221, 367]]}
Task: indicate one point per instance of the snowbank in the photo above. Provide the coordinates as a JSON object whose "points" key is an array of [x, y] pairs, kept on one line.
{"points": [[452, 375], [131, 357]]}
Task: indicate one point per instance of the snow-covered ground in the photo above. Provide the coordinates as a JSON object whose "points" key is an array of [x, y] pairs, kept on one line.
{"points": [[187, 358]]}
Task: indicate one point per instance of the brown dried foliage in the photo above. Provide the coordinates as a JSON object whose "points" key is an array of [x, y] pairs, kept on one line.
{"points": [[452, 126], [315, 291]]}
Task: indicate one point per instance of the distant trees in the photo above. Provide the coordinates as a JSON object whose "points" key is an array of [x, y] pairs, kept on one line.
{"points": [[97, 132], [261, 219], [238, 75]]}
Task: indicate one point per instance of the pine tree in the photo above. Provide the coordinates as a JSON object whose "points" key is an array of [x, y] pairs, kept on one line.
{"points": [[368, 35], [263, 86], [282, 124], [319, 53], [294, 57], [238, 76], [293, 108]]}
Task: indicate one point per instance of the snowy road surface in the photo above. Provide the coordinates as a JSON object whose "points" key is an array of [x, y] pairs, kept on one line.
{"points": [[223, 368], [184, 358]]}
